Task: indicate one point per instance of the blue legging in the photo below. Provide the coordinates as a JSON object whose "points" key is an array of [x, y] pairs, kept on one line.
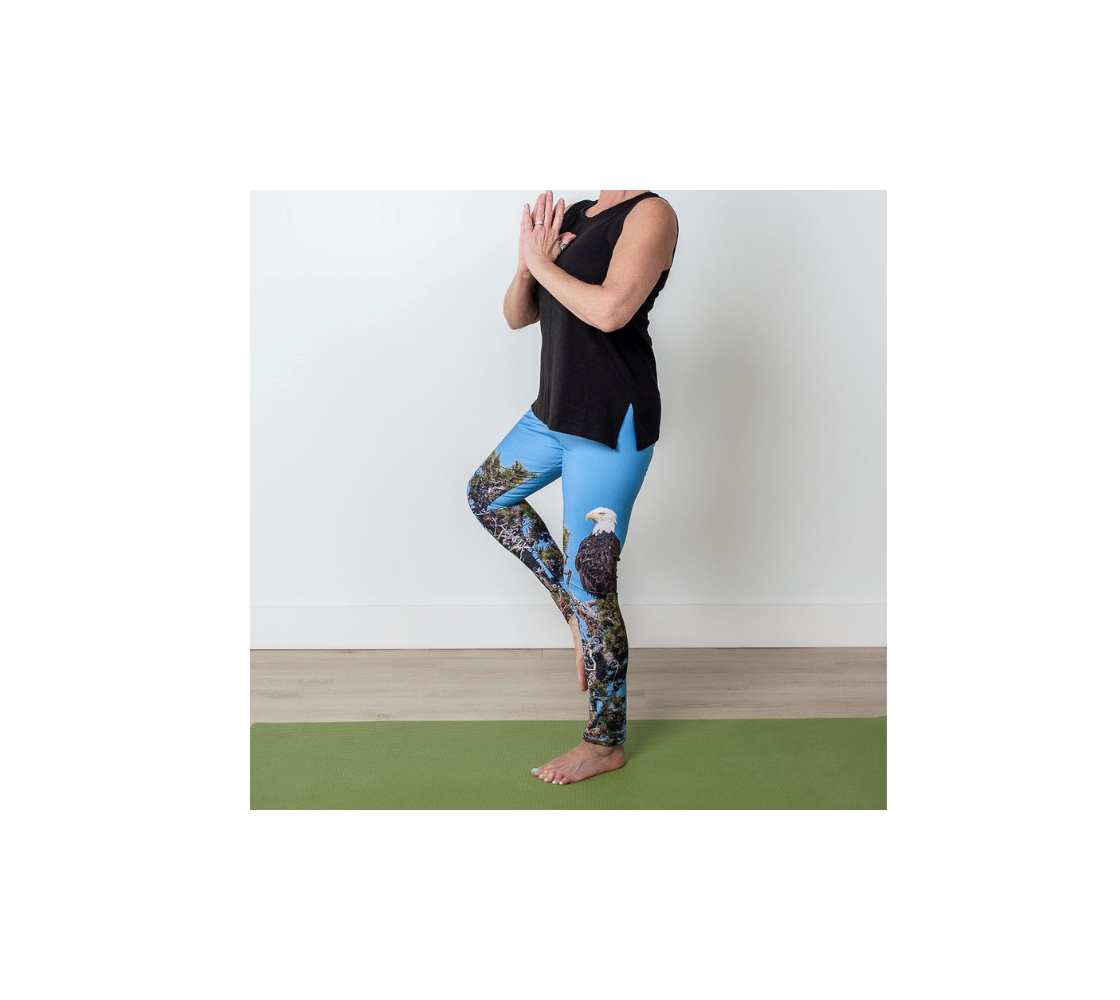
{"points": [[600, 486]]}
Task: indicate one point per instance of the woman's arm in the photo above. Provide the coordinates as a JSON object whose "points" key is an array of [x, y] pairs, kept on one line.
{"points": [[643, 251], [520, 306]]}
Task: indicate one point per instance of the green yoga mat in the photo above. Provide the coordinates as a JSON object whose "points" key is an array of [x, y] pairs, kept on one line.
{"points": [[670, 764]]}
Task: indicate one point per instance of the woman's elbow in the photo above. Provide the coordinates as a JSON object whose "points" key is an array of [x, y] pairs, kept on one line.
{"points": [[613, 314], [612, 321]]}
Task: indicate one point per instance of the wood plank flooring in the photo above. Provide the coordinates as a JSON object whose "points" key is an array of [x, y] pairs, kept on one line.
{"points": [[357, 685]]}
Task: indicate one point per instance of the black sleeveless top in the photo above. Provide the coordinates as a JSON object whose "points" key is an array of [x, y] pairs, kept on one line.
{"points": [[588, 377]]}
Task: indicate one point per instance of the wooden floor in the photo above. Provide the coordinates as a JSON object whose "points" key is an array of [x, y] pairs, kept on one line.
{"points": [[357, 685]]}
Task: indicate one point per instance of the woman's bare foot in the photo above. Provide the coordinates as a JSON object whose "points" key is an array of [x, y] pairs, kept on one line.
{"points": [[582, 761], [581, 673]]}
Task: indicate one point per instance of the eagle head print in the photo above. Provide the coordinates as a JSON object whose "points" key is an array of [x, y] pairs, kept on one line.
{"points": [[598, 554]]}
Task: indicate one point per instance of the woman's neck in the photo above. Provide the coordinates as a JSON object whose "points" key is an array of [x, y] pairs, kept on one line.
{"points": [[607, 199]]}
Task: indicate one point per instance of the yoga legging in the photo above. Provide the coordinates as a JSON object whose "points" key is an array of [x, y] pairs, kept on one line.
{"points": [[600, 485]]}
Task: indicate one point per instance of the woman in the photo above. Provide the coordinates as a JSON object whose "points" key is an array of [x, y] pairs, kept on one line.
{"points": [[590, 273]]}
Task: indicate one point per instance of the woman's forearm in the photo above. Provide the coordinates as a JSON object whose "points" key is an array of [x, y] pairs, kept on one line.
{"points": [[588, 302], [520, 306]]}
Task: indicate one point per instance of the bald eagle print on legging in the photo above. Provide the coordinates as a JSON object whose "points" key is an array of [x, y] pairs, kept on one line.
{"points": [[598, 554], [600, 486]]}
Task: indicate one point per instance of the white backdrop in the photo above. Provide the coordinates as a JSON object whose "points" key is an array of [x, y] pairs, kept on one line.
{"points": [[383, 373]]}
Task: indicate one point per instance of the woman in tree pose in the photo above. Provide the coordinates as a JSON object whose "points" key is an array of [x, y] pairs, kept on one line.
{"points": [[590, 274]]}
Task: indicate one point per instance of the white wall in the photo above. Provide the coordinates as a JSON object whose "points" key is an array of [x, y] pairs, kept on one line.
{"points": [[383, 373]]}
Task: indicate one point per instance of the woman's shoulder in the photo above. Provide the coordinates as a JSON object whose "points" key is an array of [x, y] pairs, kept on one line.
{"points": [[653, 208], [657, 202], [655, 220], [653, 211]]}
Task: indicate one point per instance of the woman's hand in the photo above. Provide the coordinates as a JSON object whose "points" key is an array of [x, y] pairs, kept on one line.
{"points": [[542, 243]]}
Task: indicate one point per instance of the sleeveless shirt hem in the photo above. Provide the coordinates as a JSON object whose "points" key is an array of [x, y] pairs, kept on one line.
{"points": [[589, 434]]}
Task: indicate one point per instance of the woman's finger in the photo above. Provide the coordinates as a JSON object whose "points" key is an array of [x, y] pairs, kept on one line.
{"points": [[558, 217], [538, 211], [547, 217]]}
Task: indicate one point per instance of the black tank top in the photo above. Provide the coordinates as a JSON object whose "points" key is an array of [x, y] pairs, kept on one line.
{"points": [[588, 377]]}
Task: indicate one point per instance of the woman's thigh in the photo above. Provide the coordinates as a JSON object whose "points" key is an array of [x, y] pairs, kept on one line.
{"points": [[528, 458]]}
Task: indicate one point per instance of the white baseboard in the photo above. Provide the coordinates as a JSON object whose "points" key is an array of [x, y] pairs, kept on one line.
{"points": [[541, 626]]}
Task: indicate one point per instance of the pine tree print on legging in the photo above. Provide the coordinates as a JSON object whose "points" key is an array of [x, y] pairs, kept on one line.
{"points": [[518, 527], [605, 656]]}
